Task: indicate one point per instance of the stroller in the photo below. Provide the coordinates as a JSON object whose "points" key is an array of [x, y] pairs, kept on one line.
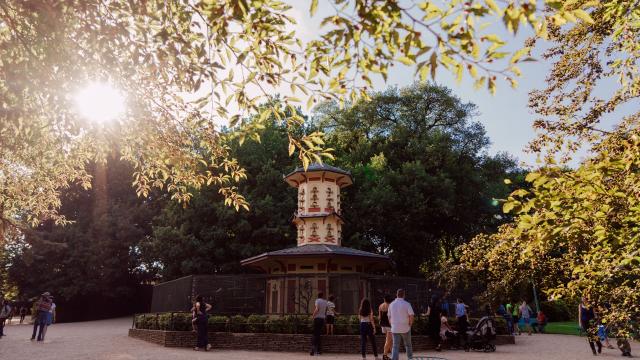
{"points": [[481, 337]]}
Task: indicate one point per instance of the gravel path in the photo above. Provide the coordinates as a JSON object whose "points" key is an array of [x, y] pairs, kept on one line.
{"points": [[108, 340]]}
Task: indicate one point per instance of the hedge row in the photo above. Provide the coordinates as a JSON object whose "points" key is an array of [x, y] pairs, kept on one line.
{"points": [[288, 324]]}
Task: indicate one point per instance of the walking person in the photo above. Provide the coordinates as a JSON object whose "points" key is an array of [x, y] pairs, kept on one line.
{"points": [[50, 318], [586, 318], [367, 328], [5, 310], [201, 309], [525, 315], [463, 320], [23, 313], [502, 311], [513, 310], [43, 305], [401, 317], [331, 314], [433, 322], [383, 315], [319, 315]]}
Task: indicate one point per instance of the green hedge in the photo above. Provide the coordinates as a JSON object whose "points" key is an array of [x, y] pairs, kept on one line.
{"points": [[289, 324]]}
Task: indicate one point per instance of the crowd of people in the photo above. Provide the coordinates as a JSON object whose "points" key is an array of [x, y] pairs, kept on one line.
{"points": [[43, 312]]}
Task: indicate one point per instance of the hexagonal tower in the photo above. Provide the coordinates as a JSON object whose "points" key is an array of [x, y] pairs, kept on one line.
{"points": [[317, 217]]}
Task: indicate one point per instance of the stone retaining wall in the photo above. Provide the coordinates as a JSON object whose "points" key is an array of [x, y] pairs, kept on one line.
{"points": [[279, 342]]}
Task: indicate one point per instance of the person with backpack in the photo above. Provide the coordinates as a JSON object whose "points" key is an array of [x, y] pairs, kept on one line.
{"points": [[43, 306], [5, 310]]}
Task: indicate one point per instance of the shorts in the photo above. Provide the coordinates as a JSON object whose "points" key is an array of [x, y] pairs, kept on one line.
{"points": [[525, 321], [330, 320], [386, 329], [49, 318]]}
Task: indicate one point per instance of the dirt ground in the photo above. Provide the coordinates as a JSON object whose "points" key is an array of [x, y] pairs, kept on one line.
{"points": [[108, 340]]}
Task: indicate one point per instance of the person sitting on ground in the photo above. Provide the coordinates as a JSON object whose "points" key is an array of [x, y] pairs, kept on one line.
{"points": [[447, 334], [624, 346]]}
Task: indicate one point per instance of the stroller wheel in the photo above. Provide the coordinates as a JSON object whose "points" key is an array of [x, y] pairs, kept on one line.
{"points": [[491, 348]]}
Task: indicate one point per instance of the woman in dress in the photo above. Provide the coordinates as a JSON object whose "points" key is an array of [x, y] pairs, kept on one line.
{"points": [[383, 315], [367, 328]]}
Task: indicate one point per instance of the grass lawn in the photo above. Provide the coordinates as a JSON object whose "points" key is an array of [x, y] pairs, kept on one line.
{"points": [[566, 328]]}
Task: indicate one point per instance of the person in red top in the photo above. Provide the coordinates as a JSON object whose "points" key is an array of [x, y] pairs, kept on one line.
{"points": [[541, 321], [43, 306]]}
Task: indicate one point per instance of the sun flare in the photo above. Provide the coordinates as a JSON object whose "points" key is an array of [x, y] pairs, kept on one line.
{"points": [[99, 102]]}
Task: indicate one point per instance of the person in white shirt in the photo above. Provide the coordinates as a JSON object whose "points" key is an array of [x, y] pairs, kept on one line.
{"points": [[319, 315], [401, 317]]}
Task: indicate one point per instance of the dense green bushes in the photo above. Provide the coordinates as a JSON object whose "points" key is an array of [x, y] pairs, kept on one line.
{"points": [[559, 310], [289, 324]]}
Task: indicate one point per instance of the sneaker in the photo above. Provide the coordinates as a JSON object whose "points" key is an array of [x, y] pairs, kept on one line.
{"points": [[385, 357], [208, 347]]}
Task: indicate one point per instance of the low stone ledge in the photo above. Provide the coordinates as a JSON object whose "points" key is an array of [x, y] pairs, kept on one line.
{"points": [[280, 342]]}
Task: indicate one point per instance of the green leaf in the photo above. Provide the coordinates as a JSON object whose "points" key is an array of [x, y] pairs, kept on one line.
{"points": [[314, 7]]}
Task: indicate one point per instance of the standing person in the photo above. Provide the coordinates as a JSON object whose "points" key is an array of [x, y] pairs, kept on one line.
{"points": [[586, 318], [331, 314], [367, 328], [525, 315], [433, 321], [445, 305], [383, 315], [502, 311], [319, 315], [11, 312], [201, 309], [23, 313], [43, 305], [401, 317], [516, 319], [462, 317], [5, 310], [50, 318]]}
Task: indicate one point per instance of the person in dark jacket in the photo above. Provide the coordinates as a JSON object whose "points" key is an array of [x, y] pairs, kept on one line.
{"points": [[433, 321], [201, 308]]}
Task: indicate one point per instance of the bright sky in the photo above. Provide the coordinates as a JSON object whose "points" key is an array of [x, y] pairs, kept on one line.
{"points": [[505, 115]]}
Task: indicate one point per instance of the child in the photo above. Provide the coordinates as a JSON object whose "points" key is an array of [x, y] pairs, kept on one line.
{"points": [[331, 314], [194, 317]]}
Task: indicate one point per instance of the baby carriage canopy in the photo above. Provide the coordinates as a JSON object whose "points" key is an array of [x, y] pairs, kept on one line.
{"points": [[481, 336]]}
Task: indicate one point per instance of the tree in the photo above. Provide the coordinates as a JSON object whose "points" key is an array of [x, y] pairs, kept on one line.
{"points": [[575, 235], [182, 63], [208, 237], [93, 264], [576, 230], [424, 182]]}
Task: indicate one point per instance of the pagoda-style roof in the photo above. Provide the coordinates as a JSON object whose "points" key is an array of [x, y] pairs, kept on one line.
{"points": [[319, 250], [341, 177]]}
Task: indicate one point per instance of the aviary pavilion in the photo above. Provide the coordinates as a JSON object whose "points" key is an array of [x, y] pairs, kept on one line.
{"points": [[288, 280]]}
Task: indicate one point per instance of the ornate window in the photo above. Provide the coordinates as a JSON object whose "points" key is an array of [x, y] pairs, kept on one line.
{"points": [[330, 233], [314, 233], [314, 197], [329, 198], [301, 232], [301, 199], [338, 202]]}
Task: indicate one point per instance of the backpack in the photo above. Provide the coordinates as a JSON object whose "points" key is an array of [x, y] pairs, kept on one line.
{"points": [[4, 313]]}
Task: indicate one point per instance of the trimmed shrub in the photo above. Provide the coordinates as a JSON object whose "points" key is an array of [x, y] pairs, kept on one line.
{"points": [[255, 323], [275, 326], [218, 323], [181, 322], [420, 325], [237, 324]]}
